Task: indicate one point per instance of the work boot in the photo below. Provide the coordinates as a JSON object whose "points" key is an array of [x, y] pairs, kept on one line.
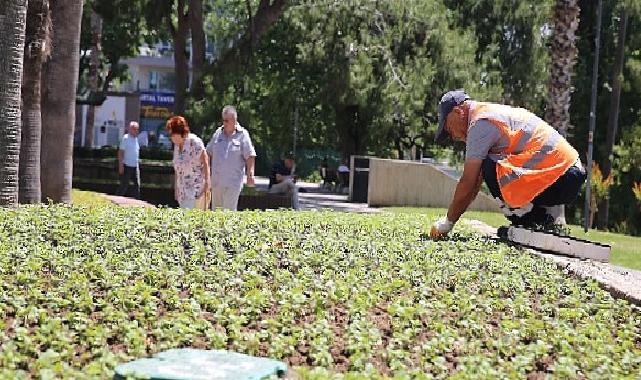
{"points": [[538, 219]]}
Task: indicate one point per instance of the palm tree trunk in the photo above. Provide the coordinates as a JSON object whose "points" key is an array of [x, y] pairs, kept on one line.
{"points": [[37, 45], [563, 52], [13, 14], [60, 77], [613, 115], [96, 51]]}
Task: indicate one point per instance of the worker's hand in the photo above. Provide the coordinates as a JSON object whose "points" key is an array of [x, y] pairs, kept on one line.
{"points": [[441, 228], [251, 182], [121, 168]]}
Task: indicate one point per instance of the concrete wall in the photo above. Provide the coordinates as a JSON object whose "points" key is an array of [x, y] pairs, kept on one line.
{"points": [[407, 183]]}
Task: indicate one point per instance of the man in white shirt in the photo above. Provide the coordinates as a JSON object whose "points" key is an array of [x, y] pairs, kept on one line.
{"points": [[232, 155], [128, 156]]}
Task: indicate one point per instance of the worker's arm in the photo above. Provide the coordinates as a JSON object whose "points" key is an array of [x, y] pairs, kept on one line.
{"points": [[466, 190]]}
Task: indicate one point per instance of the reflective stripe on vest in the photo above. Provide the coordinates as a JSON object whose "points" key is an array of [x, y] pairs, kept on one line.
{"points": [[536, 156]]}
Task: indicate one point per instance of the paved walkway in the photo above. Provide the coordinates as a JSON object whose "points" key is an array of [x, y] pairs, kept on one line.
{"points": [[126, 202], [312, 197]]}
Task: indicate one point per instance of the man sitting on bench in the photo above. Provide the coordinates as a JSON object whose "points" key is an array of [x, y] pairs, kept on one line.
{"points": [[282, 180]]}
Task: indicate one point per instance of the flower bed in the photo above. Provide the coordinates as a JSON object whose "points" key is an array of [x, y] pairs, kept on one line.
{"points": [[329, 293]]}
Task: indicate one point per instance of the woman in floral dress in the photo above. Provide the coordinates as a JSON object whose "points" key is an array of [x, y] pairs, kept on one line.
{"points": [[191, 165]]}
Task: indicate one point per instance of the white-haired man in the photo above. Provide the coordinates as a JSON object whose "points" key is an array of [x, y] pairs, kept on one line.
{"points": [[232, 154], [128, 157]]}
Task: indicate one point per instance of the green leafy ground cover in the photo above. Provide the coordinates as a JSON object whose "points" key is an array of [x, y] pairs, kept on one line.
{"points": [[626, 250], [332, 294]]}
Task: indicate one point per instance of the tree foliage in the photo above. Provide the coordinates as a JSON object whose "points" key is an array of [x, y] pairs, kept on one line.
{"points": [[124, 30], [363, 77], [625, 158]]}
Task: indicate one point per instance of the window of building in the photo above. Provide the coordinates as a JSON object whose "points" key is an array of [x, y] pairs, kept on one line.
{"points": [[153, 80], [167, 81]]}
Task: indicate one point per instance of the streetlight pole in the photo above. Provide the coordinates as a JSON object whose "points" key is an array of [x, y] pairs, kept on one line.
{"points": [[295, 127], [595, 77]]}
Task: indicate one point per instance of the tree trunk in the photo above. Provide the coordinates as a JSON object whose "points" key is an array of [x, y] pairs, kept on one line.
{"points": [[13, 14], [94, 65], [179, 36], [37, 47], [613, 115], [198, 44], [60, 77], [351, 127], [563, 53]]}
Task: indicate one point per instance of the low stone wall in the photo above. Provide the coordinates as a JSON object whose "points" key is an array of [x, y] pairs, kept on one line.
{"points": [[101, 175], [407, 183], [157, 196], [157, 174], [156, 184]]}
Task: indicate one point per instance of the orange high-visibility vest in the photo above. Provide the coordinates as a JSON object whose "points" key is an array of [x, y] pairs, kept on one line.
{"points": [[536, 156]]}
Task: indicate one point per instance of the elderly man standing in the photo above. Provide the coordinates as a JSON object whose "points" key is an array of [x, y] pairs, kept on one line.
{"points": [[128, 157], [232, 155]]}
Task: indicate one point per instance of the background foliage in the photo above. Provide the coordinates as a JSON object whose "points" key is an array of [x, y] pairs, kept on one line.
{"points": [[338, 78]]}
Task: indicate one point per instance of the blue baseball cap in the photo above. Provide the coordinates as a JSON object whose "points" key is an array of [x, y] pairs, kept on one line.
{"points": [[450, 100]]}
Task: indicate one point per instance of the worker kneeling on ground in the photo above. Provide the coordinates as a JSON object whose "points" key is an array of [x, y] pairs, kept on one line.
{"points": [[527, 165]]}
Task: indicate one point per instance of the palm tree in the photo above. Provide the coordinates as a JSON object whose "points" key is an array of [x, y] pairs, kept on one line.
{"points": [[94, 74], [60, 77], [12, 28], [563, 53], [37, 48]]}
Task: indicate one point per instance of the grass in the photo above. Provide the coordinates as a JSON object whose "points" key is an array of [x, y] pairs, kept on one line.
{"points": [[626, 250], [87, 198]]}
